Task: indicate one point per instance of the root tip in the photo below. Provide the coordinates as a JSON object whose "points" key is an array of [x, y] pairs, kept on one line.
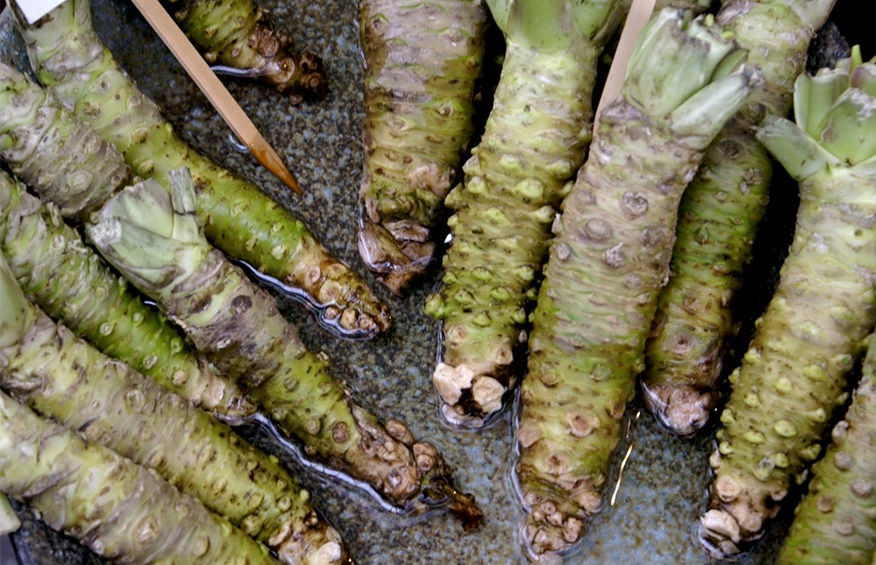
{"points": [[683, 410]]}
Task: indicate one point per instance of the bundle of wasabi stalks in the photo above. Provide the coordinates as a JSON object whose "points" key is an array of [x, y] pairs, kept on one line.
{"points": [[534, 140], [611, 253], [63, 378], [156, 241], [235, 36], [836, 520], [794, 374], [719, 216], [418, 124], [69, 58], [77, 170], [120, 510]]}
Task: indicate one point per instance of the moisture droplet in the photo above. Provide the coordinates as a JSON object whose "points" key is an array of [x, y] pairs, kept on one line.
{"points": [[236, 144]]}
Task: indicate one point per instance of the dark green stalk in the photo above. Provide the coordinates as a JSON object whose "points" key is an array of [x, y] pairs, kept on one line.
{"points": [[156, 240], [63, 378], [239, 218], [70, 165], [120, 510]]}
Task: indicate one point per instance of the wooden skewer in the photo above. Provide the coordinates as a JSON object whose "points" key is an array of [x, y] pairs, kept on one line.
{"points": [[214, 90], [639, 14]]}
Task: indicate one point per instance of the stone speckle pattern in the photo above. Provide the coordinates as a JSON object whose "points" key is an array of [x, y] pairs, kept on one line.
{"points": [[663, 487]]}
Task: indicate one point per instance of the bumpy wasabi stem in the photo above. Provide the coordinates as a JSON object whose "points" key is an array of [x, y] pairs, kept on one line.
{"points": [[607, 263], [49, 148], [423, 63], [239, 218], [719, 216], [156, 241], [235, 35], [836, 520], [793, 375], [76, 169], [63, 378], [534, 140], [117, 508]]}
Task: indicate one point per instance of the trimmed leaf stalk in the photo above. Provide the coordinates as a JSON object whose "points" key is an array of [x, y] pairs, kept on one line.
{"points": [[236, 36], [423, 65], [156, 241], [534, 140], [241, 220], [607, 264], [836, 520], [9, 520], [794, 374], [63, 378], [118, 509], [719, 215], [76, 169]]}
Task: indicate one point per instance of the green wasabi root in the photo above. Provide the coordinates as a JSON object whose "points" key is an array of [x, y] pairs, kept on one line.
{"points": [[607, 263], [63, 378], [534, 140], [235, 35], [47, 147], [423, 63], [156, 241], [794, 374], [719, 215], [120, 510], [70, 165], [70, 59], [836, 520]]}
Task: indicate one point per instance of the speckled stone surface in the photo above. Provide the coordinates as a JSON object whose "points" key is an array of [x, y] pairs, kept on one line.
{"points": [[662, 490]]}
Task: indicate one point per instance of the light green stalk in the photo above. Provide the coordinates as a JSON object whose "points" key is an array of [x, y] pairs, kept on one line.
{"points": [[70, 165], [241, 220], [607, 263], [9, 520], [835, 523], [534, 140], [63, 378], [236, 35], [423, 65], [120, 510], [719, 216], [793, 375], [156, 241]]}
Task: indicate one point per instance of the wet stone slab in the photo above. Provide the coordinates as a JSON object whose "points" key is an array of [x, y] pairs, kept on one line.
{"points": [[662, 490]]}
